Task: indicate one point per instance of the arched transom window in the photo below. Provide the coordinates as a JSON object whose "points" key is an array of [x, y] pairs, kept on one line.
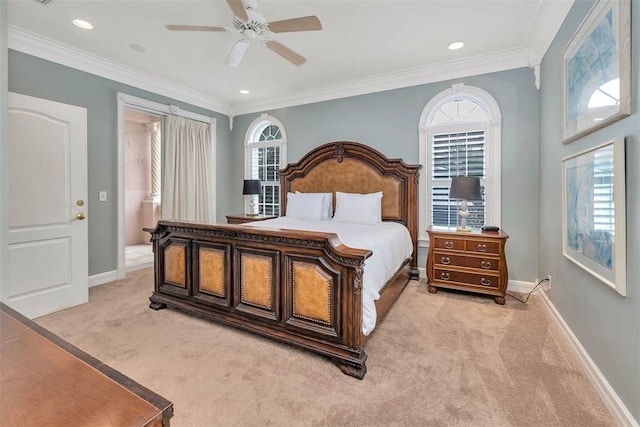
{"points": [[265, 154], [460, 135]]}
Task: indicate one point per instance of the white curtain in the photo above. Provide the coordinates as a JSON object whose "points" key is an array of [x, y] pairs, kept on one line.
{"points": [[187, 182]]}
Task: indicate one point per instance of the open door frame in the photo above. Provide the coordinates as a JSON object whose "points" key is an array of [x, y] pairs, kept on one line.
{"points": [[125, 102]]}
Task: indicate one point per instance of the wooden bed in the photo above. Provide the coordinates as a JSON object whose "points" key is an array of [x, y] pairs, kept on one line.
{"points": [[299, 287]]}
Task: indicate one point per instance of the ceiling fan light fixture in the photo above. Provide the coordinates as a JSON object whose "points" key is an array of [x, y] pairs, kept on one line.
{"points": [[455, 45], [253, 27], [81, 23]]}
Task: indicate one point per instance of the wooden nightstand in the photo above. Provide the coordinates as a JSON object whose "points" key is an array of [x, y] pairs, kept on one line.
{"points": [[242, 218], [472, 262]]}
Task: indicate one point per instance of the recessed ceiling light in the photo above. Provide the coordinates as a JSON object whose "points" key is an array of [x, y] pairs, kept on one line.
{"points": [[85, 25], [244, 92], [138, 48], [455, 45]]}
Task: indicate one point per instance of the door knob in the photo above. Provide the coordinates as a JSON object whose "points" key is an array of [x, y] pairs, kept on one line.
{"points": [[80, 216]]}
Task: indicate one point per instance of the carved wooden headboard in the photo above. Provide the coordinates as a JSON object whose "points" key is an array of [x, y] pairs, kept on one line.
{"points": [[351, 167]]}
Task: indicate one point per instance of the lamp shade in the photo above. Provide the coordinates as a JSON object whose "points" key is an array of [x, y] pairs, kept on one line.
{"points": [[251, 186], [465, 188]]}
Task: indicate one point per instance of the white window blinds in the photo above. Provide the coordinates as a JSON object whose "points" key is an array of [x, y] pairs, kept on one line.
{"points": [[454, 154]]}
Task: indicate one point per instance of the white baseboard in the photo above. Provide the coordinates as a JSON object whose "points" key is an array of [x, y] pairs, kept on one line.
{"points": [[102, 278], [520, 286], [616, 407]]}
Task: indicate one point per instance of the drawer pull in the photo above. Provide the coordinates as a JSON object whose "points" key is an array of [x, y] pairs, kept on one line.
{"points": [[485, 282], [448, 244], [485, 264], [482, 248], [445, 260], [445, 276]]}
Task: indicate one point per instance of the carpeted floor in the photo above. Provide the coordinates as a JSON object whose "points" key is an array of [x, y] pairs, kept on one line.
{"points": [[445, 359]]}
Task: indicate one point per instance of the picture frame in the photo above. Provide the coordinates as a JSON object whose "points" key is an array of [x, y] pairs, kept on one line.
{"points": [[596, 70], [594, 212]]}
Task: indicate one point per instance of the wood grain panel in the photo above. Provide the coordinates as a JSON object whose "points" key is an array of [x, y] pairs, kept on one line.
{"points": [[256, 279], [311, 293], [212, 271], [47, 381], [174, 265]]}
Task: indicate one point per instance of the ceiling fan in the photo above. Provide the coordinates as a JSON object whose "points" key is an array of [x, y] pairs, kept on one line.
{"points": [[253, 26]]}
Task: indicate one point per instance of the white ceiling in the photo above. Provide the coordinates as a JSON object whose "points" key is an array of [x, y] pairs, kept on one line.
{"points": [[364, 46]]}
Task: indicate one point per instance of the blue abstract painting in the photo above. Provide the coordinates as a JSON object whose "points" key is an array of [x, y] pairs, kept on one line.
{"points": [[582, 234]]}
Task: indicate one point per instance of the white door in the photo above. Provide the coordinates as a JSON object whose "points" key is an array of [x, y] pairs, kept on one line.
{"points": [[47, 158]]}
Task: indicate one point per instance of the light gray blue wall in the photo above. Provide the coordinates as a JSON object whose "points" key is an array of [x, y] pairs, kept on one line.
{"points": [[43, 79], [388, 121], [607, 324]]}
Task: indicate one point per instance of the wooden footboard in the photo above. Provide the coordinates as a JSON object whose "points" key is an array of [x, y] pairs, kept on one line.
{"points": [[300, 287]]}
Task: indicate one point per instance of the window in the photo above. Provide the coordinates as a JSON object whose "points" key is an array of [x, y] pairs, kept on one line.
{"points": [[265, 154], [603, 206], [459, 135]]}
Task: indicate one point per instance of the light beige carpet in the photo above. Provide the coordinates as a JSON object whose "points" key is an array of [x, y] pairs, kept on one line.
{"points": [[445, 359]]}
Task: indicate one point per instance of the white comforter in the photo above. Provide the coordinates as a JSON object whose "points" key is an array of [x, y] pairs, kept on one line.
{"points": [[390, 243]]}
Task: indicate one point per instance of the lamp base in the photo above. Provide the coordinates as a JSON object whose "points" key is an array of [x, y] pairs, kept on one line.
{"points": [[464, 229]]}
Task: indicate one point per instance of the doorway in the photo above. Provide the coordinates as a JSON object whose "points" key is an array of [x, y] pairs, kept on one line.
{"points": [[128, 103], [143, 136]]}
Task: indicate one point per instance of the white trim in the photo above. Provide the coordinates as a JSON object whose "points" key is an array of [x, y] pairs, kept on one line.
{"points": [[249, 141], [610, 398], [102, 278], [474, 66], [36, 45], [521, 286], [4, 152], [282, 142], [493, 150], [550, 16], [125, 101]]}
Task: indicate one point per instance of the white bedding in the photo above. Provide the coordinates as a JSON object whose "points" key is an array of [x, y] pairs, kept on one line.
{"points": [[390, 243]]}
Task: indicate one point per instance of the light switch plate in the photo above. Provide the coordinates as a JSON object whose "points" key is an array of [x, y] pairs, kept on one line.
{"points": [[102, 196]]}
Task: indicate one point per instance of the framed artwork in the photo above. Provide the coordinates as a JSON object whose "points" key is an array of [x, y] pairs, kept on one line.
{"points": [[596, 70], [593, 200]]}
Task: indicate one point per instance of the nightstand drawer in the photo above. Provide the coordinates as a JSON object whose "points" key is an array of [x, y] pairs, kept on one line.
{"points": [[474, 279], [448, 244], [469, 261], [483, 246]]}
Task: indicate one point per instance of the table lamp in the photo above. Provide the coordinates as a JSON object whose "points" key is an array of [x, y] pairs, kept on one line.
{"points": [[251, 189], [464, 188]]}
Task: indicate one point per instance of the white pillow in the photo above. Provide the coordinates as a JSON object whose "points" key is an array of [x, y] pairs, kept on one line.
{"points": [[359, 208], [327, 203], [305, 206]]}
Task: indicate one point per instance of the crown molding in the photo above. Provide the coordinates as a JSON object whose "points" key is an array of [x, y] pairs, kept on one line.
{"points": [[477, 65], [33, 44], [548, 20]]}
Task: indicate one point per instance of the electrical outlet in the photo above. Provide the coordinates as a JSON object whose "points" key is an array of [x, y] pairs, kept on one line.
{"points": [[548, 282]]}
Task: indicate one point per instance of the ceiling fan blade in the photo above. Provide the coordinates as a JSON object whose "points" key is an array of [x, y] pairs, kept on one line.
{"points": [[306, 23], [237, 52], [238, 9], [194, 28], [286, 53]]}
